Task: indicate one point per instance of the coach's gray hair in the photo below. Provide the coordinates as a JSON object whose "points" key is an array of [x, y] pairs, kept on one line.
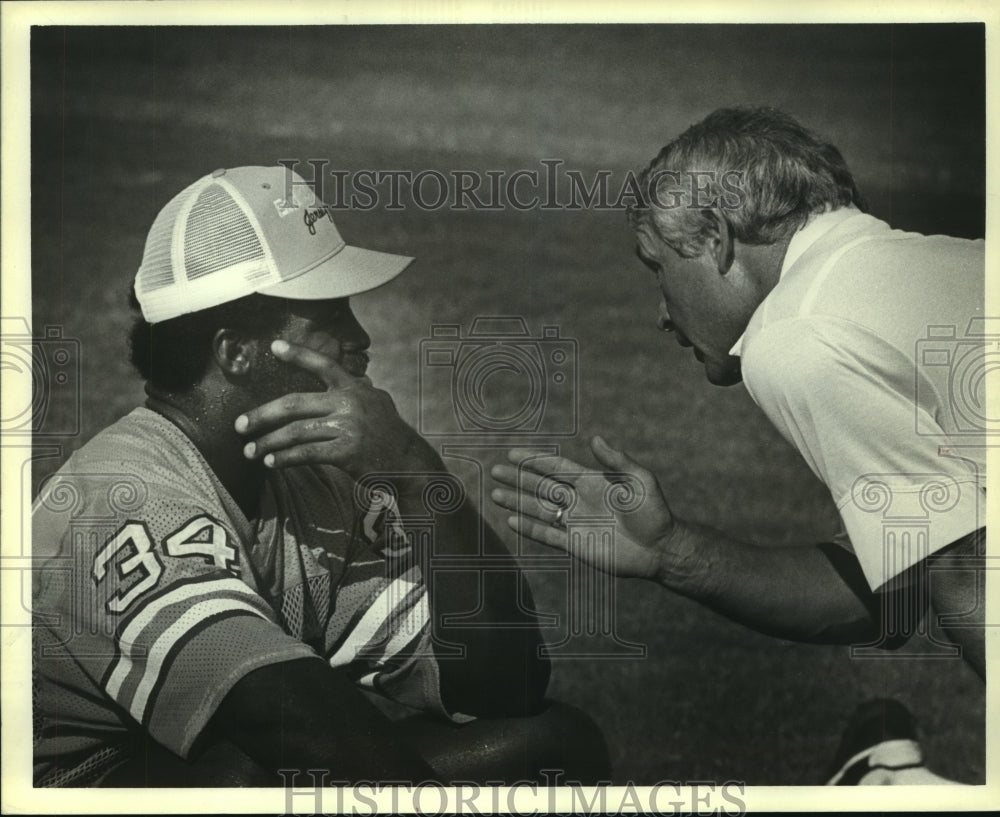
{"points": [[762, 169]]}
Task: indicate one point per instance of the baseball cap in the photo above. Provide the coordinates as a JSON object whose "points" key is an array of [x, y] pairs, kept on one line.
{"points": [[235, 232]]}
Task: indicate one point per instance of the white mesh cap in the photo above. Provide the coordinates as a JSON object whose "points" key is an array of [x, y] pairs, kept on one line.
{"points": [[236, 232]]}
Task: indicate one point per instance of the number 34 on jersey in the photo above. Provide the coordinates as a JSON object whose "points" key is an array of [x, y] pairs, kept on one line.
{"points": [[129, 564]]}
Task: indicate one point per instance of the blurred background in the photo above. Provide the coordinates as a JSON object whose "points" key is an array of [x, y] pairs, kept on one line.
{"points": [[124, 118]]}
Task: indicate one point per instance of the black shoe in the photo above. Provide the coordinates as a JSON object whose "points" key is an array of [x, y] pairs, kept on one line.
{"points": [[880, 735]]}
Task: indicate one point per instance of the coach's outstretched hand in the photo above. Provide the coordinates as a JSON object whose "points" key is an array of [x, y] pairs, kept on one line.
{"points": [[537, 486], [351, 424]]}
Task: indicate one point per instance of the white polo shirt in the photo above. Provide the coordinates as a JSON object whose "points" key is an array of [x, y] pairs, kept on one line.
{"points": [[869, 356]]}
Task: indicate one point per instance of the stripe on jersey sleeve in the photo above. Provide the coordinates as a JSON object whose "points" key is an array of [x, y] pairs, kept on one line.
{"points": [[406, 639], [146, 638], [396, 600], [152, 682], [417, 619]]}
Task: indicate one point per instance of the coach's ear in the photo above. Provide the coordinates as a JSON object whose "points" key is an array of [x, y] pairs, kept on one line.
{"points": [[721, 245], [232, 351]]}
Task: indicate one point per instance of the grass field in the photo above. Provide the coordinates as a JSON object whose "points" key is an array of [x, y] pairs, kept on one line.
{"points": [[123, 119]]}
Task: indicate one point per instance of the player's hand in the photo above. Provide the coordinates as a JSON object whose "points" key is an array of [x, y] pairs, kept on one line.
{"points": [[536, 486], [351, 424]]}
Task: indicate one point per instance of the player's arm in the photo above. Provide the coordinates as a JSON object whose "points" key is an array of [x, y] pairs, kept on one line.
{"points": [[502, 672], [301, 714], [815, 593], [356, 427]]}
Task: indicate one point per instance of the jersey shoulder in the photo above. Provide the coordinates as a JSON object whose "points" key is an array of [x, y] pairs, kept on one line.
{"points": [[141, 470]]}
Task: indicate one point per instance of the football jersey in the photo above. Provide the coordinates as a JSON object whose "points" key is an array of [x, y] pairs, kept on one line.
{"points": [[154, 594]]}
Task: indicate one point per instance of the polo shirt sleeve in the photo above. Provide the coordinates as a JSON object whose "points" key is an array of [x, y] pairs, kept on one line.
{"points": [[845, 399]]}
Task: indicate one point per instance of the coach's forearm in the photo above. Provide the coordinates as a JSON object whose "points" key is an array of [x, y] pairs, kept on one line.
{"points": [[813, 593]]}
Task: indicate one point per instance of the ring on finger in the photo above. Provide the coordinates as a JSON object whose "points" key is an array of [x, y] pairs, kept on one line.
{"points": [[558, 521]]}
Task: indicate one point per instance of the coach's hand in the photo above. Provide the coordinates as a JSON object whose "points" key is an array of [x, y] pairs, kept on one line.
{"points": [[351, 424], [538, 486]]}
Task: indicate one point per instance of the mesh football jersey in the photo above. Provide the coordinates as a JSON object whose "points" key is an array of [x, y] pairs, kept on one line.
{"points": [[154, 595]]}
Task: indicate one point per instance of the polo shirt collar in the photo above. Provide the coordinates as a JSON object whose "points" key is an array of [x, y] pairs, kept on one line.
{"points": [[816, 226]]}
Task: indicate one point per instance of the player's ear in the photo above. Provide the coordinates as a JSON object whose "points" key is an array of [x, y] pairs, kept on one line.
{"points": [[232, 351], [721, 244]]}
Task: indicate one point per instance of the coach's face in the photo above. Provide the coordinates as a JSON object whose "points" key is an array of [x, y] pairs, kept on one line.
{"points": [[707, 309]]}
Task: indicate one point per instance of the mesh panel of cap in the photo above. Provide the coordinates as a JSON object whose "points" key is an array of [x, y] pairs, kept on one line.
{"points": [[218, 235], [203, 249], [156, 270]]}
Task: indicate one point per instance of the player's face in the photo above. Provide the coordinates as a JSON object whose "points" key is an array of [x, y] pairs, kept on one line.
{"points": [[706, 310], [328, 327]]}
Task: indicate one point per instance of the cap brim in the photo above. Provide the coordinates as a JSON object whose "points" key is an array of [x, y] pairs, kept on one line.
{"points": [[350, 272]]}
